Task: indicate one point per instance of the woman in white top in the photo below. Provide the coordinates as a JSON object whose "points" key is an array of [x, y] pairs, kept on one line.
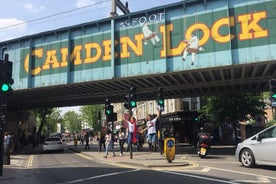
{"points": [[131, 128], [151, 127]]}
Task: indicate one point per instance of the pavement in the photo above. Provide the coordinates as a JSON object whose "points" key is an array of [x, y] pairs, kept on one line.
{"points": [[142, 159], [16, 172]]}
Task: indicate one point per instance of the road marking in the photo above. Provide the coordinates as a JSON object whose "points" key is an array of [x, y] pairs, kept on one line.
{"points": [[239, 172], [30, 161], [200, 177], [259, 180], [204, 170], [84, 156], [100, 176]]}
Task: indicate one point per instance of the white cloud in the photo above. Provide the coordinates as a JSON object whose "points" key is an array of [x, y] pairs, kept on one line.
{"points": [[32, 8], [82, 3], [11, 28]]}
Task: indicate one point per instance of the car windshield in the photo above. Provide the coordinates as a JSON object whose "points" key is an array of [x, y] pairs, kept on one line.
{"points": [[52, 139]]}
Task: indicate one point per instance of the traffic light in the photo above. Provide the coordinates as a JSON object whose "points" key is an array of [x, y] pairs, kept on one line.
{"points": [[108, 108], [272, 87], [126, 102], [160, 99], [132, 97], [130, 100], [6, 76]]}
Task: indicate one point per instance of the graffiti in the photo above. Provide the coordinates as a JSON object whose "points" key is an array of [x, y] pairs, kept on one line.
{"points": [[192, 46], [54, 57], [153, 18]]}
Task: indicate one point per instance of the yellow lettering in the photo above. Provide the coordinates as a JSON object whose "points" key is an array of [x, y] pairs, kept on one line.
{"points": [[51, 59], [64, 55], [167, 49], [250, 27], [76, 55], [107, 49], [88, 48], [26, 63], [216, 27], [38, 53], [126, 41], [198, 26]]}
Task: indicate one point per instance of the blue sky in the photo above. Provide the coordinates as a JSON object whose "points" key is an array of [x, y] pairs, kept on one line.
{"points": [[25, 17]]}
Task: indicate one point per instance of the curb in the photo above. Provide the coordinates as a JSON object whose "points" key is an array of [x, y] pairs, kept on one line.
{"points": [[138, 161]]}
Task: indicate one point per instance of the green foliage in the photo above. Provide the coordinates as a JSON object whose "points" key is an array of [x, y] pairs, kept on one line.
{"points": [[90, 115], [72, 122], [235, 107], [270, 123], [47, 120]]}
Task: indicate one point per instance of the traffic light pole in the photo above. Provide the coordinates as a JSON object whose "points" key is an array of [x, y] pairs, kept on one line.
{"points": [[161, 142], [130, 115], [2, 122]]}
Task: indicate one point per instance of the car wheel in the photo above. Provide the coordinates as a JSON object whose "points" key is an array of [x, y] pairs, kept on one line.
{"points": [[247, 158]]}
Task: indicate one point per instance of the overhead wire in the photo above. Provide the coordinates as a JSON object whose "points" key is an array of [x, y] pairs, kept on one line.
{"points": [[53, 15]]}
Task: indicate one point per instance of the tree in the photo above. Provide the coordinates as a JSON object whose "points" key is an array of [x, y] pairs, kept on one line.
{"points": [[90, 115], [41, 114], [236, 107], [232, 108], [52, 120], [72, 121]]}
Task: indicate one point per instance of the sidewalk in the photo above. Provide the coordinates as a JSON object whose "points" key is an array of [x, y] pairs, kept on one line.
{"points": [[15, 173], [142, 158]]}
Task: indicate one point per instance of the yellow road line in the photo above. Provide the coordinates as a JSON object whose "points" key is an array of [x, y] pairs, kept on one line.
{"points": [[84, 156], [30, 161]]}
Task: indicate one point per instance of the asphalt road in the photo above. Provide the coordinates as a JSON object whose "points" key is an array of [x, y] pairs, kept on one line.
{"points": [[72, 168], [219, 167]]}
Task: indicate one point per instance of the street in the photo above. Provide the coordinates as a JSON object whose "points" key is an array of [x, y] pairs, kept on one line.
{"points": [[90, 167]]}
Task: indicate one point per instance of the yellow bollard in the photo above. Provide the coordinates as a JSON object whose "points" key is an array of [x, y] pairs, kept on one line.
{"points": [[169, 148]]}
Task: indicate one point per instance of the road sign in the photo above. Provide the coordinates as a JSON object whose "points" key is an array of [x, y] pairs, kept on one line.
{"points": [[273, 103]]}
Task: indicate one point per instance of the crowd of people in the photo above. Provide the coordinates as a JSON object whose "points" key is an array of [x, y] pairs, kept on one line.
{"points": [[131, 135]]}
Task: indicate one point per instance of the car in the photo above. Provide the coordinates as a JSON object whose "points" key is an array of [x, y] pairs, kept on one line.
{"points": [[53, 144], [258, 149]]}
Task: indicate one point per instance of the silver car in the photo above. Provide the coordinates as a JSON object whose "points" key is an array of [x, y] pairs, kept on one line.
{"points": [[259, 149]]}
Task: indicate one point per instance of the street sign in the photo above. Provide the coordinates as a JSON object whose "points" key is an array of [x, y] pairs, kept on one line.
{"points": [[273, 103]]}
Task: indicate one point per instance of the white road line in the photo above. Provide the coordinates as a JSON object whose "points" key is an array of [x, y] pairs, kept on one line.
{"points": [[239, 172], [101, 176], [259, 180], [200, 177]]}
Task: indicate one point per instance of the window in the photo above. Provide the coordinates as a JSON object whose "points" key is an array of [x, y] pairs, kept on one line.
{"points": [[270, 133]]}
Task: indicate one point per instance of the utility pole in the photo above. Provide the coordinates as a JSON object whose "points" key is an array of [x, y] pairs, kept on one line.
{"points": [[121, 6], [160, 103], [5, 89]]}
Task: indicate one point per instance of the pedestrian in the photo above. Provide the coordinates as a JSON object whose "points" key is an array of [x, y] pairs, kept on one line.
{"points": [[132, 132], [108, 143], [102, 141], [122, 138], [86, 137], [7, 141], [76, 141], [151, 127]]}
